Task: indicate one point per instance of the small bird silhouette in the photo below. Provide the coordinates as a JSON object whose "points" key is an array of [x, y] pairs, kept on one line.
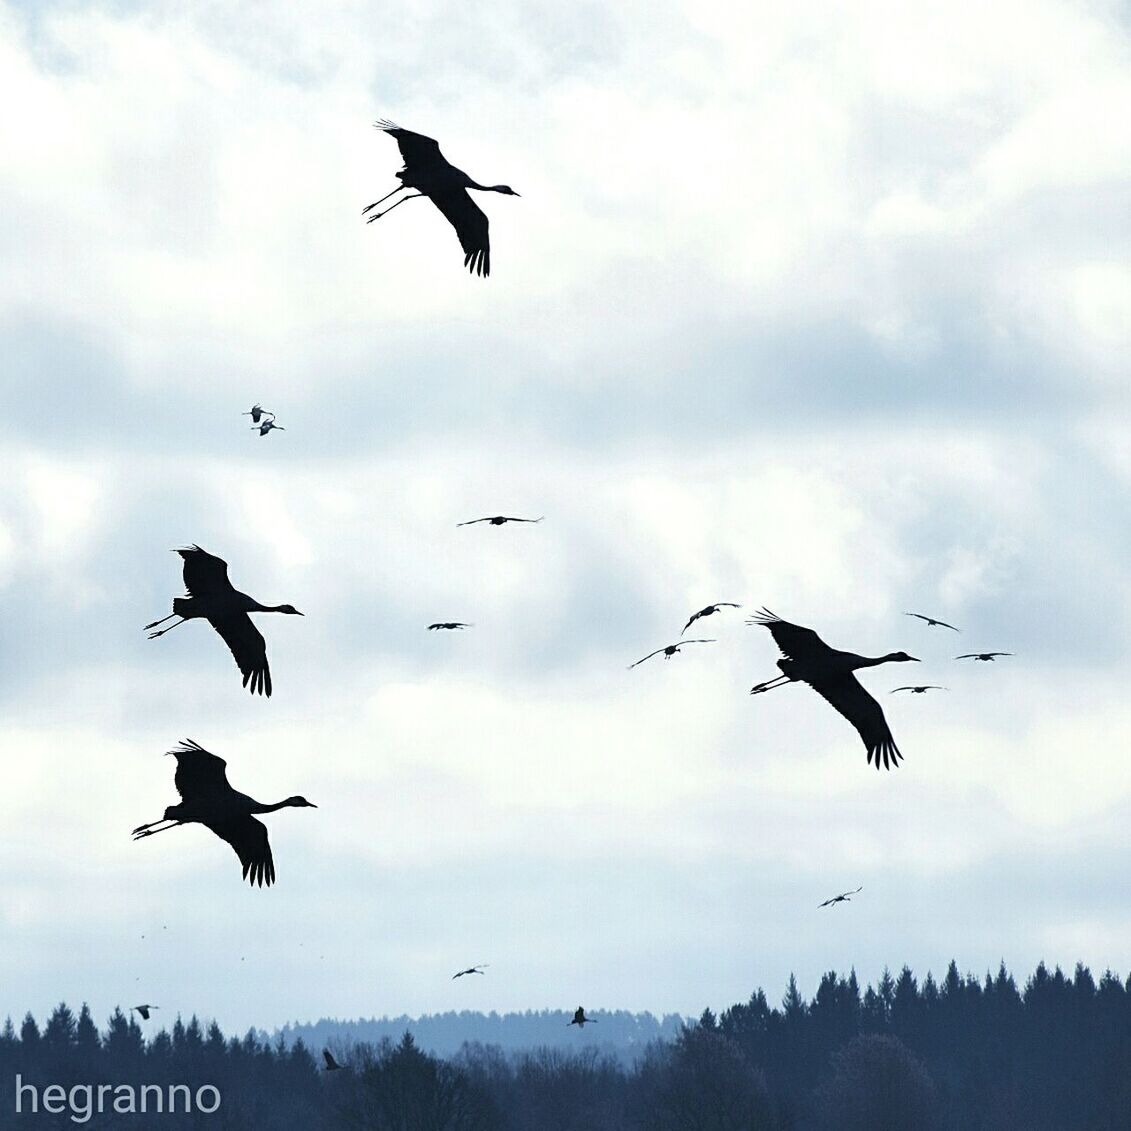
{"points": [[207, 799], [498, 520], [931, 621], [449, 624], [985, 656], [266, 427], [581, 1020], [669, 651], [258, 411], [920, 689], [477, 969], [331, 1064], [428, 171], [708, 611], [143, 1010], [844, 897]]}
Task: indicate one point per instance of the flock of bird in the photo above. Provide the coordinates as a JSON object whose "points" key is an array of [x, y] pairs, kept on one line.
{"points": [[200, 778]]}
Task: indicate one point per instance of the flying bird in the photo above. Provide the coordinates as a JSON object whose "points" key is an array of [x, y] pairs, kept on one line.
{"points": [[266, 427], [331, 1064], [919, 689], [477, 969], [669, 651], [498, 520], [829, 672], [449, 624], [257, 411], [143, 1010], [844, 897], [708, 611], [985, 656], [212, 596], [207, 799], [428, 171], [931, 621], [580, 1019]]}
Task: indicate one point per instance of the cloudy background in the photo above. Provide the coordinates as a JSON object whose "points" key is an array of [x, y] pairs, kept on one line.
{"points": [[828, 310]]}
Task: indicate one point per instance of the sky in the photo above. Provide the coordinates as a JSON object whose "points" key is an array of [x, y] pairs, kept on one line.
{"points": [[824, 309]]}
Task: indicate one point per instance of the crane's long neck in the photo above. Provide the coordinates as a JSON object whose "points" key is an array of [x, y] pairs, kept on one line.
{"points": [[259, 807], [874, 661], [256, 607], [487, 188]]}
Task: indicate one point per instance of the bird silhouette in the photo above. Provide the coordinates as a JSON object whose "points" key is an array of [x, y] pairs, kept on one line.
{"points": [[918, 690], [498, 520], [844, 897], [931, 621], [428, 171], [143, 1010], [581, 1020], [257, 411], [266, 427], [829, 672], [331, 1064], [448, 624], [476, 969], [207, 799], [669, 651], [984, 656], [708, 612], [212, 597]]}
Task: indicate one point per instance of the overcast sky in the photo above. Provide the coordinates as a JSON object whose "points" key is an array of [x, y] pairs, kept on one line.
{"points": [[827, 310]]}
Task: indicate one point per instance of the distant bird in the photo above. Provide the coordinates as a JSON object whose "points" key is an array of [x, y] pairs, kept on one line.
{"points": [[449, 624], [143, 1010], [207, 799], [427, 170], [669, 651], [498, 520], [580, 1019], [829, 672], [257, 411], [985, 656], [708, 611], [931, 621], [331, 1064], [266, 427], [212, 597], [920, 689], [477, 969], [844, 897]]}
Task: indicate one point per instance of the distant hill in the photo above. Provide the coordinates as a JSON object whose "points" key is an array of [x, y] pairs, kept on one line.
{"points": [[622, 1033]]}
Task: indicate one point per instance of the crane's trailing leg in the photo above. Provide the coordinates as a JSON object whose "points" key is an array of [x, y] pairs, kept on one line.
{"points": [[378, 215], [161, 621], [162, 631], [770, 684], [150, 829], [374, 205]]}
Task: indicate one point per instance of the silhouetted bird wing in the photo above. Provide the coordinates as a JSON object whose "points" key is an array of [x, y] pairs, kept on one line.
{"points": [[793, 641], [247, 645], [470, 223], [509, 518], [331, 1064], [847, 695], [199, 772], [249, 838], [648, 657], [204, 573], [416, 149], [473, 521]]}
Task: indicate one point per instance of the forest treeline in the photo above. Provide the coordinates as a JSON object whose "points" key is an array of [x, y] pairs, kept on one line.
{"points": [[976, 1054]]}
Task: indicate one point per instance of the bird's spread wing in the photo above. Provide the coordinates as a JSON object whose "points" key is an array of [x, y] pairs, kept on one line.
{"points": [[694, 618], [470, 223], [204, 572], [847, 695], [648, 657], [793, 641], [511, 519], [473, 521], [249, 649], [249, 838], [331, 1063], [416, 149], [199, 773]]}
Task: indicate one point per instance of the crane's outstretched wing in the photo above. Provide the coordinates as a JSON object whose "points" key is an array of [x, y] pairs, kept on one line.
{"points": [[247, 645], [931, 620], [199, 773], [473, 521], [416, 149], [331, 1064], [470, 223], [249, 838], [511, 518], [793, 641], [847, 695], [204, 573], [648, 657]]}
